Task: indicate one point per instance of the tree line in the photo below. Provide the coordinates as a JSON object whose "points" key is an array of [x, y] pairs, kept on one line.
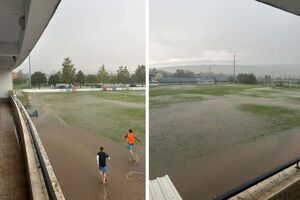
{"points": [[244, 78], [68, 75]]}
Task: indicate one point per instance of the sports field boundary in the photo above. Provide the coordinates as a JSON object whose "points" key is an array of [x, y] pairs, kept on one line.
{"points": [[67, 90]]}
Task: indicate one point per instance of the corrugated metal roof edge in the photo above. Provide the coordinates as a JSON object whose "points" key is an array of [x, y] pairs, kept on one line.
{"points": [[162, 188]]}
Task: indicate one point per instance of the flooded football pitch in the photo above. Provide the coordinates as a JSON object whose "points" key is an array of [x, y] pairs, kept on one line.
{"points": [[73, 126], [211, 138]]}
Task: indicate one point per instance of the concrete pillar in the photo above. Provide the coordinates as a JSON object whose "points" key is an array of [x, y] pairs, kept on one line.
{"points": [[5, 84]]}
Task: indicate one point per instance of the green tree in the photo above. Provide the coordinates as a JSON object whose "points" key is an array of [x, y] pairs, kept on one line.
{"points": [[102, 75], [139, 76], [68, 72], [38, 78], [246, 78], [123, 75], [133, 79], [80, 78], [188, 73], [91, 79], [113, 78], [179, 73], [54, 79], [21, 78]]}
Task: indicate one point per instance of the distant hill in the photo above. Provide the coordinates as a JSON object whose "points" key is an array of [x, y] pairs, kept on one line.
{"points": [[258, 70]]}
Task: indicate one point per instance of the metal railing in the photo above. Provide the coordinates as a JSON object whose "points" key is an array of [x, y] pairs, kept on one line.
{"points": [[258, 179], [42, 165]]}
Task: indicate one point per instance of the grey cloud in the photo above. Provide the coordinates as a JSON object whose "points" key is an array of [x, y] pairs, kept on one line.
{"points": [[257, 33]]}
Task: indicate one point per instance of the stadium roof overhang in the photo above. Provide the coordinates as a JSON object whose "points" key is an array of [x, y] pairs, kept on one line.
{"points": [[291, 6], [22, 23]]}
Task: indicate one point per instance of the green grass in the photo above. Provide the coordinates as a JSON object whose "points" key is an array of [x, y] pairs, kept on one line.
{"points": [[20, 86], [265, 92], [136, 97], [279, 117], [215, 90], [123, 118], [108, 114], [24, 100], [291, 89], [136, 113], [169, 100], [295, 99], [171, 94], [124, 96], [109, 121]]}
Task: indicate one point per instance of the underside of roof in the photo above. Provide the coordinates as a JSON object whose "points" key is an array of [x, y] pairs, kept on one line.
{"points": [[291, 6], [22, 23]]}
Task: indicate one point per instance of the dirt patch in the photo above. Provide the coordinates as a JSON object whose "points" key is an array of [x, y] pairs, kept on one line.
{"points": [[136, 177]]}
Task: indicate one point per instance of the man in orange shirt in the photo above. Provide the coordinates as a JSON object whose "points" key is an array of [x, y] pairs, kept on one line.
{"points": [[130, 142]]}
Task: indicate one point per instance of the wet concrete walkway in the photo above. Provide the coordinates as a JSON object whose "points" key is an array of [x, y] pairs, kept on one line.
{"points": [[13, 179]]}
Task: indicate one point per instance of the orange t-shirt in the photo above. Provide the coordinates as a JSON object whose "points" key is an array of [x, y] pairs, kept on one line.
{"points": [[130, 138]]}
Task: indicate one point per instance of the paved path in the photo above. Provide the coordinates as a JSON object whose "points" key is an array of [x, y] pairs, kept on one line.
{"points": [[13, 180]]}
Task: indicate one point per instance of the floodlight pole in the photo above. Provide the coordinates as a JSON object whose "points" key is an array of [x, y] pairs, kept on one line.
{"points": [[29, 65]]}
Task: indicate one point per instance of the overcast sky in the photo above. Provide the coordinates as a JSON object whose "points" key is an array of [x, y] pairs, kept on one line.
{"points": [[211, 31], [92, 33]]}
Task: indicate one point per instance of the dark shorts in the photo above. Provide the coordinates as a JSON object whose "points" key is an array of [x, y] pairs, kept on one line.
{"points": [[103, 169]]}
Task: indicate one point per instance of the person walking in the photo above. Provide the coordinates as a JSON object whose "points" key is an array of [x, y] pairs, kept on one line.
{"points": [[130, 137], [101, 161]]}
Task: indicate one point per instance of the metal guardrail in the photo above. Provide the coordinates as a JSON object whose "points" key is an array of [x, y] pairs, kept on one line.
{"points": [[258, 179], [48, 183]]}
